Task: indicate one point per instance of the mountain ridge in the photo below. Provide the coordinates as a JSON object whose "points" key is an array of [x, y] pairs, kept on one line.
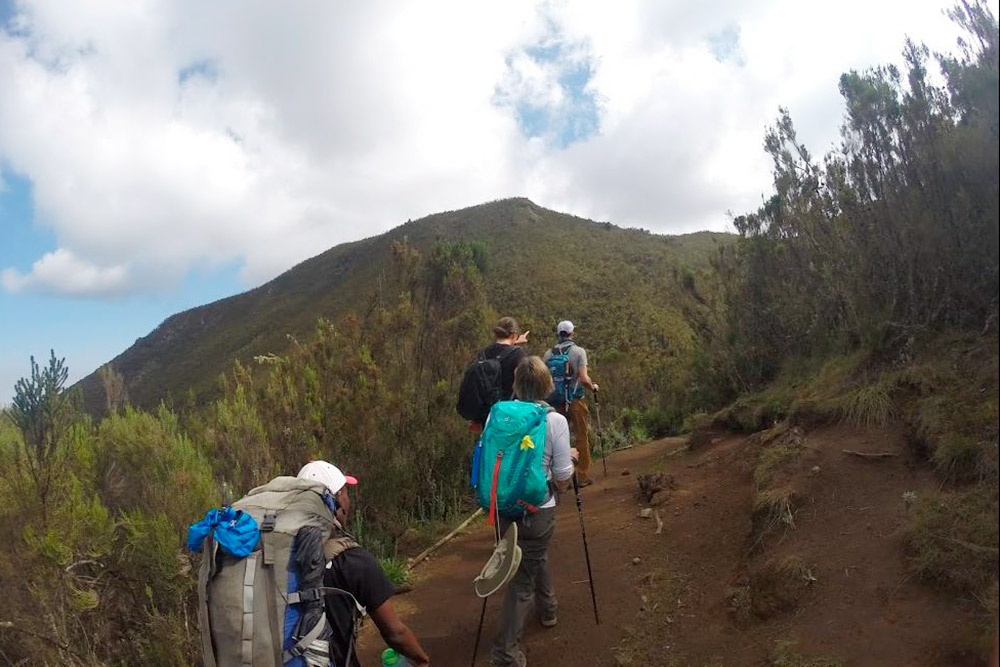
{"points": [[189, 349]]}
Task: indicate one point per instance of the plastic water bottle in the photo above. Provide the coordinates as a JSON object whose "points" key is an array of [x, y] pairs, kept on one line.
{"points": [[392, 659]]}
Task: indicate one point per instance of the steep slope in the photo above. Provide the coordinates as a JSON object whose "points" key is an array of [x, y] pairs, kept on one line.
{"points": [[540, 262]]}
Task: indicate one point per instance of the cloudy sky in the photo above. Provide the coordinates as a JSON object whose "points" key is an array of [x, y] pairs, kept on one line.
{"points": [[160, 154]]}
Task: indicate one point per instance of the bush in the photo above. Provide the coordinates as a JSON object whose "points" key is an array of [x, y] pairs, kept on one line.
{"points": [[953, 540]]}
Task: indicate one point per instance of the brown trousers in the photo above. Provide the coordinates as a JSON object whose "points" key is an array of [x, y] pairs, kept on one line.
{"points": [[578, 415]]}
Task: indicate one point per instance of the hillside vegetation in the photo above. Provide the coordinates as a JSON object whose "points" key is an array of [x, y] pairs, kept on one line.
{"points": [[538, 265], [864, 290]]}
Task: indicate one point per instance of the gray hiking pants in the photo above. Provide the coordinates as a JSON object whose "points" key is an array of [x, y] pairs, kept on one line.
{"points": [[532, 582]]}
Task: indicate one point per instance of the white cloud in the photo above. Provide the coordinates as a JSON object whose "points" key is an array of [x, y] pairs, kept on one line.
{"points": [[65, 273], [304, 125]]}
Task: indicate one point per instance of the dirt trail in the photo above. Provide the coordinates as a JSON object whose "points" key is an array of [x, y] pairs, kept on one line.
{"points": [[675, 606]]}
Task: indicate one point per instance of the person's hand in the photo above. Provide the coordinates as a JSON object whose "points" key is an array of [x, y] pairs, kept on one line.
{"points": [[595, 387], [574, 454], [522, 339]]}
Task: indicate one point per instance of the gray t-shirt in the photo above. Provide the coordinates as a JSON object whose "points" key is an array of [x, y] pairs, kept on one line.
{"points": [[556, 460], [577, 360]]}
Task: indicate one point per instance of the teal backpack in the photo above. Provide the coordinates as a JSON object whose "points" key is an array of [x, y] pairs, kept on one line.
{"points": [[566, 386], [511, 481]]}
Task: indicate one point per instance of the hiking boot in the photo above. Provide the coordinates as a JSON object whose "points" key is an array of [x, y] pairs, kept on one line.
{"points": [[584, 482], [548, 621], [520, 660]]}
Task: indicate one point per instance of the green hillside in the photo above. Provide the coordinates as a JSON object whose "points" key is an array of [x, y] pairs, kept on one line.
{"points": [[619, 285]]}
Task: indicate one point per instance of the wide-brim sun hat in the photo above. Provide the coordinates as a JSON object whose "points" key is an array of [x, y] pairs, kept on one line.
{"points": [[501, 566]]}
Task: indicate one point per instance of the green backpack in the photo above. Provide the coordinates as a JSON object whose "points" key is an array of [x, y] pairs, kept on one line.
{"points": [[511, 480]]}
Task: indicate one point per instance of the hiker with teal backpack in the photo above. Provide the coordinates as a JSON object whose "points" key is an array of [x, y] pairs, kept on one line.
{"points": [[282, 583], [567, 362], [525, 462]]}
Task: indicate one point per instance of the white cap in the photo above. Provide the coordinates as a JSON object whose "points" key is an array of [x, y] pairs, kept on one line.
{"points": [[327, 474], [565, 327]]}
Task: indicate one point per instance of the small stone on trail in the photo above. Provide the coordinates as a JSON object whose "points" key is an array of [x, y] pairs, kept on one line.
{"points": [[815, 470], [645, 513], [626, 472], [636, 560]]}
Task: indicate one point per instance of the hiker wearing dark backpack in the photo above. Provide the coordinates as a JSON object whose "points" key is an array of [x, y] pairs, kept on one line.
{"points": [[517, 427], [490, 377], [353, 569], [567, 362]]}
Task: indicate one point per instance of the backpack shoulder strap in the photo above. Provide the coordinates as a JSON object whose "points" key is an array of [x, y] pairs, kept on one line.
{"points": [[563, 346], [339, 542], [506, 352]]}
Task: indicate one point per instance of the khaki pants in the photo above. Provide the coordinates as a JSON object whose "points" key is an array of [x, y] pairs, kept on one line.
{"points": [[578, 415], [531, 585]]}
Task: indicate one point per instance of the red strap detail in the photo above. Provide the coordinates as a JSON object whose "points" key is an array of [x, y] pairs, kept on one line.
{"points": [[528, 507], [493, 491]]}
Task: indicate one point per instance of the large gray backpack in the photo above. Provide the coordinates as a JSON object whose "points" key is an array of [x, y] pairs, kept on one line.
{"points": [[267, 609]]}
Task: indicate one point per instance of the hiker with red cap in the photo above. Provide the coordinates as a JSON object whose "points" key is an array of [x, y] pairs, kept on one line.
{"points": [[353, 569]]}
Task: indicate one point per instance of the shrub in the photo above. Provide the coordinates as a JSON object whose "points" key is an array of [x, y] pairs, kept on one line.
{"points": [[953, 540]]}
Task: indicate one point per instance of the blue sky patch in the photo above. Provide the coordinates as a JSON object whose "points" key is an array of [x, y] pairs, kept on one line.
{"points": [[206, 69], [568, 67], [725, 45], [23, 242], [7, 11]]}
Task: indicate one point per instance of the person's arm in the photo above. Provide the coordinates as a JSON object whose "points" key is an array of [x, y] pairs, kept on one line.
{"points": [[398, 635], [368, 583], [585, 379], [581, 362]]}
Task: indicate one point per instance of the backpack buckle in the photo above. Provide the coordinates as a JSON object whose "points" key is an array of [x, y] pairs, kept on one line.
{"points": [[270, 518], [309, 595]]}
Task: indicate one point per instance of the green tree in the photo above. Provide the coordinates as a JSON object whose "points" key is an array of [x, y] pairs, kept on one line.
{"points": [[43, 412]]}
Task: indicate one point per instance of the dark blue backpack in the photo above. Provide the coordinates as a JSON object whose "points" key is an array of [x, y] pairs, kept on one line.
{"points": [[567, 385]]}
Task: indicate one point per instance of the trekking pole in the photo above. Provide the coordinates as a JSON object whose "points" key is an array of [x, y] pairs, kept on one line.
{"points": [[586, 551], [600, 433], [479, 632]]}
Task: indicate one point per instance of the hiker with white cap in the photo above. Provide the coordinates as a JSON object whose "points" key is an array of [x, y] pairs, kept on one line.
{"points": [[567, 362], [353, 569]]}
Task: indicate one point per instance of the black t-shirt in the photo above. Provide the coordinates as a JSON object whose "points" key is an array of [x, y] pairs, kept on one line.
{"points": [[507, 366], [357, 572]]}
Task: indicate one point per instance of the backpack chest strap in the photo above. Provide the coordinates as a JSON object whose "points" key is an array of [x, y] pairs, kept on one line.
{"points": [[303, 643]]}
